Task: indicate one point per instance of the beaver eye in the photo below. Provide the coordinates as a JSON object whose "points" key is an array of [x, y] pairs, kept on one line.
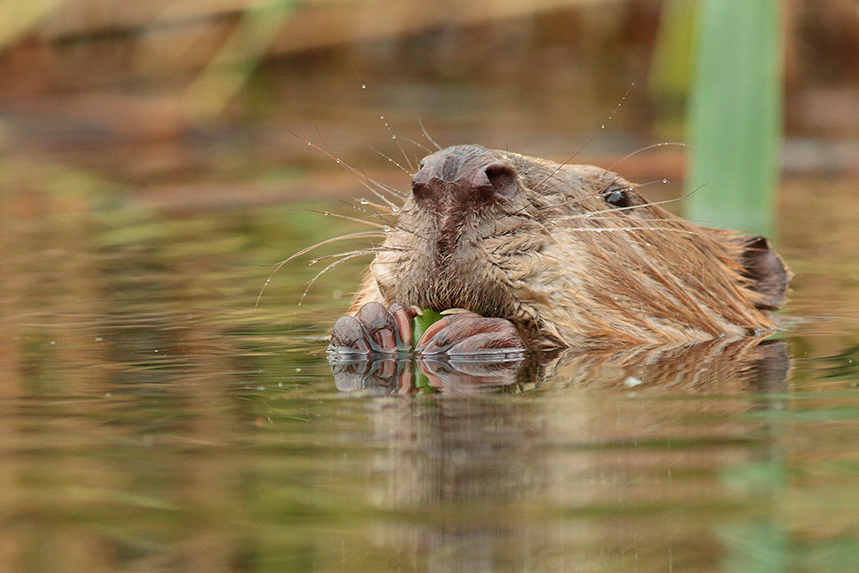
{"points": [[617, 198]]}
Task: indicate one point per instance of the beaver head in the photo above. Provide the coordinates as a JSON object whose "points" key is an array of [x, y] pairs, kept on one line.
{"points": [[571, 254]]}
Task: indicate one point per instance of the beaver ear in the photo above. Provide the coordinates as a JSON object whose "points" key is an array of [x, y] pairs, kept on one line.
{"points": [[767, 271]]}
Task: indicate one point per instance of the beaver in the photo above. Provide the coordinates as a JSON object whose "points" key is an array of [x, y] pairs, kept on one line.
{"points": [[527, 254]]}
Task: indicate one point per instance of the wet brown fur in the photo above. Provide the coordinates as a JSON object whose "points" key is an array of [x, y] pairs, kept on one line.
{"points": [[570, 270]]}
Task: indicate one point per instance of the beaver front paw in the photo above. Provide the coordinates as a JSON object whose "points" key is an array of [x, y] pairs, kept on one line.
{"points": [[469, 334], [377, 330]]}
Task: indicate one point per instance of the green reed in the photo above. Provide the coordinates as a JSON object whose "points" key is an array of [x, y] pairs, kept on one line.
{"points": [[734, 115]]}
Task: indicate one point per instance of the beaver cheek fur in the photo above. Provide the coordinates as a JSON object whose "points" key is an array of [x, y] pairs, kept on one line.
{"points": [[539, 244]]}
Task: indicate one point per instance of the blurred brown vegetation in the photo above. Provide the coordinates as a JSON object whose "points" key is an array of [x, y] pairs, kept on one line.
{"points": [[164, 91]]}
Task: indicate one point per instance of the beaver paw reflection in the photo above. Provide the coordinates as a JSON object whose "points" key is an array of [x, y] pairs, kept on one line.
{"points": [[378, 330], [388, 375]]}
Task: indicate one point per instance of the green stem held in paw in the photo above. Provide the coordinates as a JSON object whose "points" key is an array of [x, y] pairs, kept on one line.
{"points": [[423, 321]]}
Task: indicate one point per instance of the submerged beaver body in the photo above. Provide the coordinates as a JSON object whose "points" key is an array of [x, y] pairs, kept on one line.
{"points": [[571, 255]]}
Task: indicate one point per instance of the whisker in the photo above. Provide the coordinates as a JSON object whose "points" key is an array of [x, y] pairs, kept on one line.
{"points": [[323, 271], [384, 217], [349, 236], [363, 179], [330, 267], [412, 169], [348, 218], [647, 148], [610, 229], [577, 200], [383, 210], [358, 235], [394, 161], [382, 214], [590, 139], [351, 254], [403, 151], [418, 145], [401, 195], [376, 188], [430, 139]]}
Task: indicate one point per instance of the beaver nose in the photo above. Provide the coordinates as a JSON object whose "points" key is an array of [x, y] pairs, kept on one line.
{"points": [[467, 182]]}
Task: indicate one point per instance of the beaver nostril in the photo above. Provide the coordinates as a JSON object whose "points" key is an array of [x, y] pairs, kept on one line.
{"points": [[502, 177], [424, 187], [419, 188]]}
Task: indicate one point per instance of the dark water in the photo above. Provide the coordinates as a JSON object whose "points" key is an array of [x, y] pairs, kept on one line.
{"points": [[155, 419]]}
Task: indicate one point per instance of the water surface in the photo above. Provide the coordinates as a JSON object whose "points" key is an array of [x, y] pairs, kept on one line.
{"points": [[155, 418]]}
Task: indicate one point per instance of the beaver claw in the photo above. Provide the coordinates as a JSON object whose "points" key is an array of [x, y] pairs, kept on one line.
{"points": [[377, 330]]}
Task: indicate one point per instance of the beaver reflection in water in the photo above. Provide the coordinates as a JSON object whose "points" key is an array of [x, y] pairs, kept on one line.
{"points": [[545, 256]]}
